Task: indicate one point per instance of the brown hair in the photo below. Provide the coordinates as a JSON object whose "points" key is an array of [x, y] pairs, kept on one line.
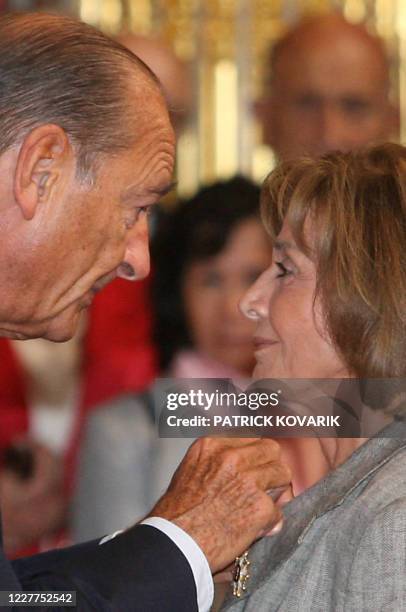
{"points": [[54, 69], [356, 205]]}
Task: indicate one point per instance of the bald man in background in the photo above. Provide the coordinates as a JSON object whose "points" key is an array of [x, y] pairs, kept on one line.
{"points": [[328, 89]]}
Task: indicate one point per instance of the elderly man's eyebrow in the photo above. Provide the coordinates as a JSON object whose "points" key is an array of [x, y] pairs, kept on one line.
{"points": [[161, 191], [134, 190]]}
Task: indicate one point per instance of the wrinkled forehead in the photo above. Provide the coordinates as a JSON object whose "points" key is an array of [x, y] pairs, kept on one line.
{"points": [[146, 105]]}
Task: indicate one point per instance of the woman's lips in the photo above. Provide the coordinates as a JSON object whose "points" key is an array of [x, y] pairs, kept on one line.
{"points": [[263, 343]]}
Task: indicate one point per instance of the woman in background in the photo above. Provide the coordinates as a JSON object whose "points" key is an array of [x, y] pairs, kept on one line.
{"points": [[206, 253]]}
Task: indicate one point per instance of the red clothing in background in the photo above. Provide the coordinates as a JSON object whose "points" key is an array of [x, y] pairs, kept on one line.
{"points": [[118, 354], [13, 407], [117, 357]]}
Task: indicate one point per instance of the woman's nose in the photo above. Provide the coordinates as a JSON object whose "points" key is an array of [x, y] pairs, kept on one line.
{"points": [[254, 304]]}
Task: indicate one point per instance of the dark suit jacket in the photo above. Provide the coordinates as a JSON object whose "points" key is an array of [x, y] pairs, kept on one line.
{"points": [[140, 570]]}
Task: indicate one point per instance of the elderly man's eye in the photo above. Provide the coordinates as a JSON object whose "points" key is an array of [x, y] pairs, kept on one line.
{"points": [[138, 212], [143, 210]]}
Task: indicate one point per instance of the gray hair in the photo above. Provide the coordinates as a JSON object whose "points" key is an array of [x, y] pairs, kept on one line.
{"points": [[54, 69]]}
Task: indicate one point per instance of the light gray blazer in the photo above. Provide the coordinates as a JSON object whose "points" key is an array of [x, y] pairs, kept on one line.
{"points": [[123, 469], [343, 545]]}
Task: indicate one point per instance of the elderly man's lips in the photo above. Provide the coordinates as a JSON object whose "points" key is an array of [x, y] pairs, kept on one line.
{"points": [[86, 300], [103, 282], [88, 297]]}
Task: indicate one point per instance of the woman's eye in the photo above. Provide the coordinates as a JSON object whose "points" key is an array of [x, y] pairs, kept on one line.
{"points": [[283, 270]]}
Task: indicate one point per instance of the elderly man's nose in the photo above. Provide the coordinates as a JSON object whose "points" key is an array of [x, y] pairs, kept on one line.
{"points": [[136, 261], [125, 270]]}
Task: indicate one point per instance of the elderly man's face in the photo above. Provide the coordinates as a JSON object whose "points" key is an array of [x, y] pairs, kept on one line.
{"points": [[328, 94], [87, 235]]}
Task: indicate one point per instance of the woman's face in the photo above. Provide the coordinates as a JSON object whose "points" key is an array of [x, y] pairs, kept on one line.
{"points": [[212, 290], [290, 339]]}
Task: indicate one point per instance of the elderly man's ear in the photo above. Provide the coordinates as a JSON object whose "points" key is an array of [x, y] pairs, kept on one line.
{"points": [[44, 156]]}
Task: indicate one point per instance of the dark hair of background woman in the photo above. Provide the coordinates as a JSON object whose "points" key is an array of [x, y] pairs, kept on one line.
{"points": [[196, 229]]}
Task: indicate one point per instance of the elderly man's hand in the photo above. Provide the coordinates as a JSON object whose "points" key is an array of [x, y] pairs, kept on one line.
{"points": [[218, 495]]}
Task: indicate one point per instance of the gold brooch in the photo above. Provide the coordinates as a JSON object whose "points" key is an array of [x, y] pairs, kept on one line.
{"points": [[241, 575]]}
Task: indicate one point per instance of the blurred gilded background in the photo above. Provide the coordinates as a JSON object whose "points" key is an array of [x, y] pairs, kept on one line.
{"points": [[225, 43]]}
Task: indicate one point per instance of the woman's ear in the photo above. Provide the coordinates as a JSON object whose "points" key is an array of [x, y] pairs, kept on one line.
{"points": [[41, 162]]}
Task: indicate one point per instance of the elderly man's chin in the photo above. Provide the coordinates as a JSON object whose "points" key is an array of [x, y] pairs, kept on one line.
{"points": [[63, 327], [60, 328]]}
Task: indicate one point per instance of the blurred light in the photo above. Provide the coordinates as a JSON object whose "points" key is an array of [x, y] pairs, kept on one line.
{"points": [[355, 10], [226, 118], [111, 15], [89, 11], [187, 163]]}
